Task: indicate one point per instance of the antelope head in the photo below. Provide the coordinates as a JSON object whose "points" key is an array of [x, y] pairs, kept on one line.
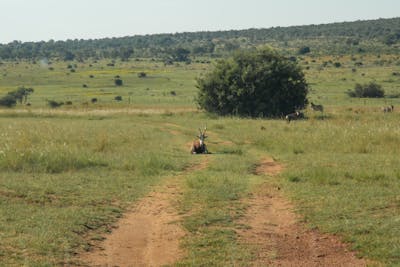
{"points": [[202, 136]]}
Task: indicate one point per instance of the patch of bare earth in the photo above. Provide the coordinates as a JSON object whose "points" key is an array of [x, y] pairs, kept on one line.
{"points": [[280, 239], [149, 234]]}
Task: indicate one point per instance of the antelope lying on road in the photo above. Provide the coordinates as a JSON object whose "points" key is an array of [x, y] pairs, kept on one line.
{"points": [[294, 116], [388, 108], [198, 146], [317, 107]]}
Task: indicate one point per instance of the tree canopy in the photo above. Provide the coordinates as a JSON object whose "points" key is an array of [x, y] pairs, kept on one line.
{"points": [[373, 36], [261, 83]]}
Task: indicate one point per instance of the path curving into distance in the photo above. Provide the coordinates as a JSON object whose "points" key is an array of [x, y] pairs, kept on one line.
{"points": [[278, 236], [149, 234]]}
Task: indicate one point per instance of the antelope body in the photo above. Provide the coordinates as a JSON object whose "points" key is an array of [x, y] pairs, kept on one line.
{"points": [[198, 146], [294, 116], [388, 109], [317, 107]]}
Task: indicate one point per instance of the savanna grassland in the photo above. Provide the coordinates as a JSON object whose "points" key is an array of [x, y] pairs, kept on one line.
{"points": [[68, 174]]}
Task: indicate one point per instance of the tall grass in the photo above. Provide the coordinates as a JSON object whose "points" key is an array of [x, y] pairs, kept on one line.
{"points": [[64, 181], [343, 174], [212, 204], [66, 177]]}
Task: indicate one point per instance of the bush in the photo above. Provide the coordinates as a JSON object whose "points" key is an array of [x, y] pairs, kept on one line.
{"points": [[337, 64], [261, 83], [371, 89], [142, 74], [118, 98], [304, 50], [8, 101], [54, 104], [118, 82], [20, 95]]}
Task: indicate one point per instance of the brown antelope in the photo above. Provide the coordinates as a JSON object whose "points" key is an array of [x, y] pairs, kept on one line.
{"points": [[198, 146], [317, 107], [294, 116], [388, 109]]}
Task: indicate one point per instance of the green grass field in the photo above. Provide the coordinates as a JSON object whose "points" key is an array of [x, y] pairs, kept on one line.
{"points": [[67, 175]]}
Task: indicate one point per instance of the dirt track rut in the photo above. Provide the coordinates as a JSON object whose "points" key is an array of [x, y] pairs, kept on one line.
{"points": [[278, 236], [149, 234]]}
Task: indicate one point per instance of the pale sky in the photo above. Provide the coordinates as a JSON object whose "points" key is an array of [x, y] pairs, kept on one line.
{"points": [[36, 20]]}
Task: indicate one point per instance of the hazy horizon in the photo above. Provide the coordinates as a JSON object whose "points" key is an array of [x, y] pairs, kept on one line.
{"points": [[43, 20]]}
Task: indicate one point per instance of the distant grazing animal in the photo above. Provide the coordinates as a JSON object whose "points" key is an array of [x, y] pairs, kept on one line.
{"points": [[388, 109], [317, 107], [294, 116], [198, 146]]}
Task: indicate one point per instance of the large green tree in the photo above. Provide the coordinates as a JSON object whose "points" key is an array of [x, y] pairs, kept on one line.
{"points": [[259, 83]]}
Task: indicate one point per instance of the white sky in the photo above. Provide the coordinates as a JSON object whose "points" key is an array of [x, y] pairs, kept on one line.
{"points": [[36, 20]]}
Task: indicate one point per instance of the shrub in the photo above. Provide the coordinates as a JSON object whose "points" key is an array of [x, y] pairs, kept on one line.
{"points": [[8, 101], [371, 89], [142, 74], [261, 83], [304, 50], [118, 82], [20, 95], [54, 104], [118, 98]]}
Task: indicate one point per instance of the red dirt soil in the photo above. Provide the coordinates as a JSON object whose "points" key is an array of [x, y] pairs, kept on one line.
{"points": [[149, 234], [280, 239]]}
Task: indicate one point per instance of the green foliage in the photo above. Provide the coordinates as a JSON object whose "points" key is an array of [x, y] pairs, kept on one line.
{"points": [[392, 38], [371, 89], [142, 74], [304, 50], [20, 95], [346, 37], [118, 82], [54, 104], [261, 83], [8, 101], [180, 54], [69, 56]]}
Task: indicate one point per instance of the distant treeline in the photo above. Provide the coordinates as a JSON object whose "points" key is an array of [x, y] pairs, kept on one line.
{"points": [[382, 35]]}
